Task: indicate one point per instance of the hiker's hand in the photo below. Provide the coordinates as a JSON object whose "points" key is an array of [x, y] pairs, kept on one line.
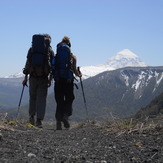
{"points": [[25, 82], [49, 83], [79, 72], [80, 75]]}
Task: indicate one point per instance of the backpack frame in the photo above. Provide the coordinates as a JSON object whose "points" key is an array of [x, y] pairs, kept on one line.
{"points": [[40, 59]]}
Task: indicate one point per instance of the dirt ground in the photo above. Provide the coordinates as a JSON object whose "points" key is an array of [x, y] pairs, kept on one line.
{"points": [[86, 142]]}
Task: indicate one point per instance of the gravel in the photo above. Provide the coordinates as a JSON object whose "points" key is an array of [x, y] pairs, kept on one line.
{"points": [[85, 142]]}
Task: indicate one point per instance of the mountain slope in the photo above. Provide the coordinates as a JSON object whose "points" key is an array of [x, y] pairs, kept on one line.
{"points": [[154, 108], [10, 90], [122, 92], [119, 93]]}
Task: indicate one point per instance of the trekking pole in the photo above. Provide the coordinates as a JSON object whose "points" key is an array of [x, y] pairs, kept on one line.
{"points": [[83, 94], [20, 100]]}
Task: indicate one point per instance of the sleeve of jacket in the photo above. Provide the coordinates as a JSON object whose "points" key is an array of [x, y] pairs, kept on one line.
{"points": [[26, 69], [51, 58]]}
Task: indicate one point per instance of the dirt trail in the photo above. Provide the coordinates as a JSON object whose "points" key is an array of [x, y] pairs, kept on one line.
{"points": [[82, 143]]}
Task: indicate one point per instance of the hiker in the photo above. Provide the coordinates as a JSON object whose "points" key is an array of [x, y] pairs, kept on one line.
{"points": [[38, 68], [64, 70]]}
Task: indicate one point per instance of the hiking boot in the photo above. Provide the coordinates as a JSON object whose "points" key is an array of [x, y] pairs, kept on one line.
{"points": [[66, 122], [32, 120], [58, 125], [39, 123]]}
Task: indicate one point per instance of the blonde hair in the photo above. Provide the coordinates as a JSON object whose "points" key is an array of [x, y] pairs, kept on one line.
{"points": [[66, 39]]}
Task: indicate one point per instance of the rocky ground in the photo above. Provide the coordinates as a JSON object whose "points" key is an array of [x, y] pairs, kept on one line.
{"points": [[87, 142]]}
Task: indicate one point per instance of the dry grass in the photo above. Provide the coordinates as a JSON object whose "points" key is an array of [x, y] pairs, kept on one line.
{"points": [[116, 125], [130, 125]]}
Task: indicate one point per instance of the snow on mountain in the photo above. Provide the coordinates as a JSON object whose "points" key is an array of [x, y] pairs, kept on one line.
{"points": [[90, 71], [17, 75], [139, 79], [124, 58]]}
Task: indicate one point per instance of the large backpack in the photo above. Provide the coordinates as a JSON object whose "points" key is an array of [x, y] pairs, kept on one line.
{"points": [[40, 59], [63, 63]]}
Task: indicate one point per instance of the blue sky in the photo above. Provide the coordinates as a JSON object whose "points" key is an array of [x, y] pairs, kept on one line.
{"points": [[98, 29]]}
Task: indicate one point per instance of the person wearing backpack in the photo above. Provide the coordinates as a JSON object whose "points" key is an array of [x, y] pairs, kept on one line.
{"points": [[64, 68], [38, 70]]}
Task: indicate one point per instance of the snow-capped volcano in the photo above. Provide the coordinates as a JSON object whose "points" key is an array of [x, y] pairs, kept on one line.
{"points": [[124, 58]]}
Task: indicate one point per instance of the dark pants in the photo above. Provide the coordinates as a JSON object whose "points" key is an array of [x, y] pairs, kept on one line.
{"points": [[38, 92], [64, 96]]}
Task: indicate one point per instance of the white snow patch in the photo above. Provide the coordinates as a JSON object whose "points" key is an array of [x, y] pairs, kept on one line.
{"points": [[126, 78], [158, 80], [140, 82], [17, 75]]}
